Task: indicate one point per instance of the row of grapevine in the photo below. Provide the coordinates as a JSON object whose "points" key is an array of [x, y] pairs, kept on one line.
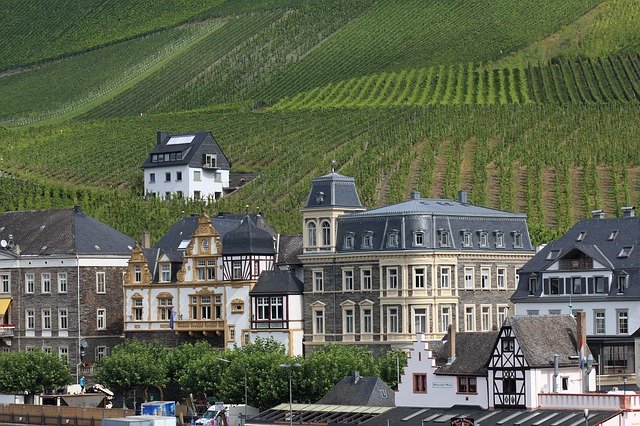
{"points": [[59, 87], [615, 78], [511, 157], [32, 32]]}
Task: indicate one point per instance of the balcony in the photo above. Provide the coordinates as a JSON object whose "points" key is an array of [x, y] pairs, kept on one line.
{"points": [[592, 401], [6, 330], [200, 325]]}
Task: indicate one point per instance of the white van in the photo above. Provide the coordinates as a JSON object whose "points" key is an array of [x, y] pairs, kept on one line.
{"points": [[233, 415]]}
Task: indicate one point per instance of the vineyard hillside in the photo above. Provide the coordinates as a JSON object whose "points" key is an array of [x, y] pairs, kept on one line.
{"points": [[530, 106]]}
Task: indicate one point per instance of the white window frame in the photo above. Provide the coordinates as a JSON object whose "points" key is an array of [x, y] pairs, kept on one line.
{"points": [[419, 278], [29, 282], [469, 276], [469, 317], [599, 314], [445, 313], [63, 353], [63, 319], [165, 272], [366, 279], [485, 318], [349, 241], [445, 277], [419, 238], [101, 283], [393, 319], [63, 282], [137, 273], [622, 314], [348, 280], [367, 240], [318, 280], [101, 319], [485, 272], [312, 234], [483, 239], [393, 279], [29, 319], [366, 319], [5, 282], [197, 176], [319, 321], [502, 312], [502, 276], [101, 352], [45, 281], [236, 269], [348, 320], [466, 239], [46, 319], [420, 320], [326, 233], [499, 239]]}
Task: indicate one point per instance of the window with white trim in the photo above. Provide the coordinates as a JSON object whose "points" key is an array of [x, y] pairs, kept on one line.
{"points": [[5, 283], [502, 314], [46, 282], [348, 323], [392, 320], [420, 320], [485, 318], [418, 278], [137, 274], [349, 241], [485, 277], [63, 353], [318, 321], [470, 318], [347, 280], [311, 233], [445, 238], [101, 285], [63, 319], [366, 282], [30, 319], [418, 238], [501, 277], [46, 319], [318, 281], [101, 352], [367, 320], [468, 277], [392, 278], [499, 239], [29, 280], [326, 233], [623, 321], [367, 240], [599, 321], [236, 267], [445, 318], [392, 239], [484, 240], [466, 239], [445, 277], [101, 319], [62, 282], [165, 272]]}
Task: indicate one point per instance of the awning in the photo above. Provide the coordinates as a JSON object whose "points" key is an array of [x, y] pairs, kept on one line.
{"points": [[4, 305]]}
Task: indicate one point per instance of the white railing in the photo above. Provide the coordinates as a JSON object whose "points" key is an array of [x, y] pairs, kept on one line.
{"points": [[592, 401], [6, 330]]}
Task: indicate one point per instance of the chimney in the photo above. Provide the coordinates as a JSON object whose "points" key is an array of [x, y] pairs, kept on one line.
{"points": [[628, 211], [463, 197], [597, 214], [145, 239], [356, 377], [451, 335], [160, 137], [415, 195]]}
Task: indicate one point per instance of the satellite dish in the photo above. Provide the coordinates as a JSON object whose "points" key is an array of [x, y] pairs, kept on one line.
{"points": [[3, 243]]}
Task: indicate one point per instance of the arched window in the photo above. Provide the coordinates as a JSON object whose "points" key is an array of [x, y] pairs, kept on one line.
{"points": [[311, 229], [326, 234]]}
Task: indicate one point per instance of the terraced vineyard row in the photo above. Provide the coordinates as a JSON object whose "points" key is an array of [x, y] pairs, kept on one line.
{"points": [[556, 163], [188, 66], [616, 78], [63, 86]]}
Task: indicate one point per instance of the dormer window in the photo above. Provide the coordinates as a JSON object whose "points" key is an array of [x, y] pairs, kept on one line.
{"points": [[348, 241], [445, 240], [553, 254], [165, 272], [613, 235], [392, 239], [210, 160], [367, 240], [418, 238], [154, 158], [484, 240], [517, 240], [499, 239], [625, 252], [581, 236], [622, 283], [466, 238]]}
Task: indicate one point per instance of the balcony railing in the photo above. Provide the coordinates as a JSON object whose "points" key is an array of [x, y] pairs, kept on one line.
{"points": [[200, 325], [6, 330], [593, 401]]}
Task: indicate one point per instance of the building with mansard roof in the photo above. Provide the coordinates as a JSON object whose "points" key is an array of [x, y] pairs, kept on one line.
{"points": [[594, 267], [195, 283], [380, 276], [61, 284]]}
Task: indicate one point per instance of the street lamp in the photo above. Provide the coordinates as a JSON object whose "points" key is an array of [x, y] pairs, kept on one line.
{"points": [[245, 388], [290, 367]]}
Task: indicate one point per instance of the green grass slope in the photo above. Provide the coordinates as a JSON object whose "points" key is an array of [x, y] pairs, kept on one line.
{"points": [[34, 30]]}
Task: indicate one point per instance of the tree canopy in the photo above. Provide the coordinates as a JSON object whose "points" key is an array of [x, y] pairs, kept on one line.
{"points": [[32, 372]]}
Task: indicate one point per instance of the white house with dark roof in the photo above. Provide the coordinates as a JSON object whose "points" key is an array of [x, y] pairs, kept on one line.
{"points": [[188, 165], [276, 309], [381, 276], [511, 368], [594, 268], [61, 284]]}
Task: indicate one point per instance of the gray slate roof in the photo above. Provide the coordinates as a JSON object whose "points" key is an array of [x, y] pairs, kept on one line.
{"points": [[249, 238], [277, 282], [290, 247], [333, 190], [62, 231], [365, 391], [473, 349], [540, 337], [192, 153]]}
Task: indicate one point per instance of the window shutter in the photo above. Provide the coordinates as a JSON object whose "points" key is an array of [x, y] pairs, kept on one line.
{"points": [[547, 290], [560, 285], [606, 285], [590, 285], [204, 159]]}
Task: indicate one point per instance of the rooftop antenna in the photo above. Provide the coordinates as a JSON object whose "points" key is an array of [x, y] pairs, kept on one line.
{"points": [[334, 163]]}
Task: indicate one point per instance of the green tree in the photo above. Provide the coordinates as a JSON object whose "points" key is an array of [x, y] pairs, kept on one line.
{"points": [[178, 359], [202, 374], [390, 364], [134, 365], [32, 372], [326, 366]]}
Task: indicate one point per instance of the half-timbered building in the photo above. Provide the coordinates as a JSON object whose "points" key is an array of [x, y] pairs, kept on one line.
{"points": [[195, 282]]}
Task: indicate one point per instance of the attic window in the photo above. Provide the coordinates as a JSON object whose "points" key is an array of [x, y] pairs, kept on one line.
{"points": [[517, 239], [183, 244], [483, 238], [626, 251], [42, 227], [613, 235], [210, 160], [348, 241], [444, 238], [392, 238], [44, 248], [367, 240], [466, 238], [418, 238], [553, 254], [97, 247], [499, 238], [581, 236]]}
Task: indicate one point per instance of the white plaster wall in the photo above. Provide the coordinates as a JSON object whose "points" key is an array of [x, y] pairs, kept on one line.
{"points": [[207, 185], [160, 186], [610, 307], [240, 321]]}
